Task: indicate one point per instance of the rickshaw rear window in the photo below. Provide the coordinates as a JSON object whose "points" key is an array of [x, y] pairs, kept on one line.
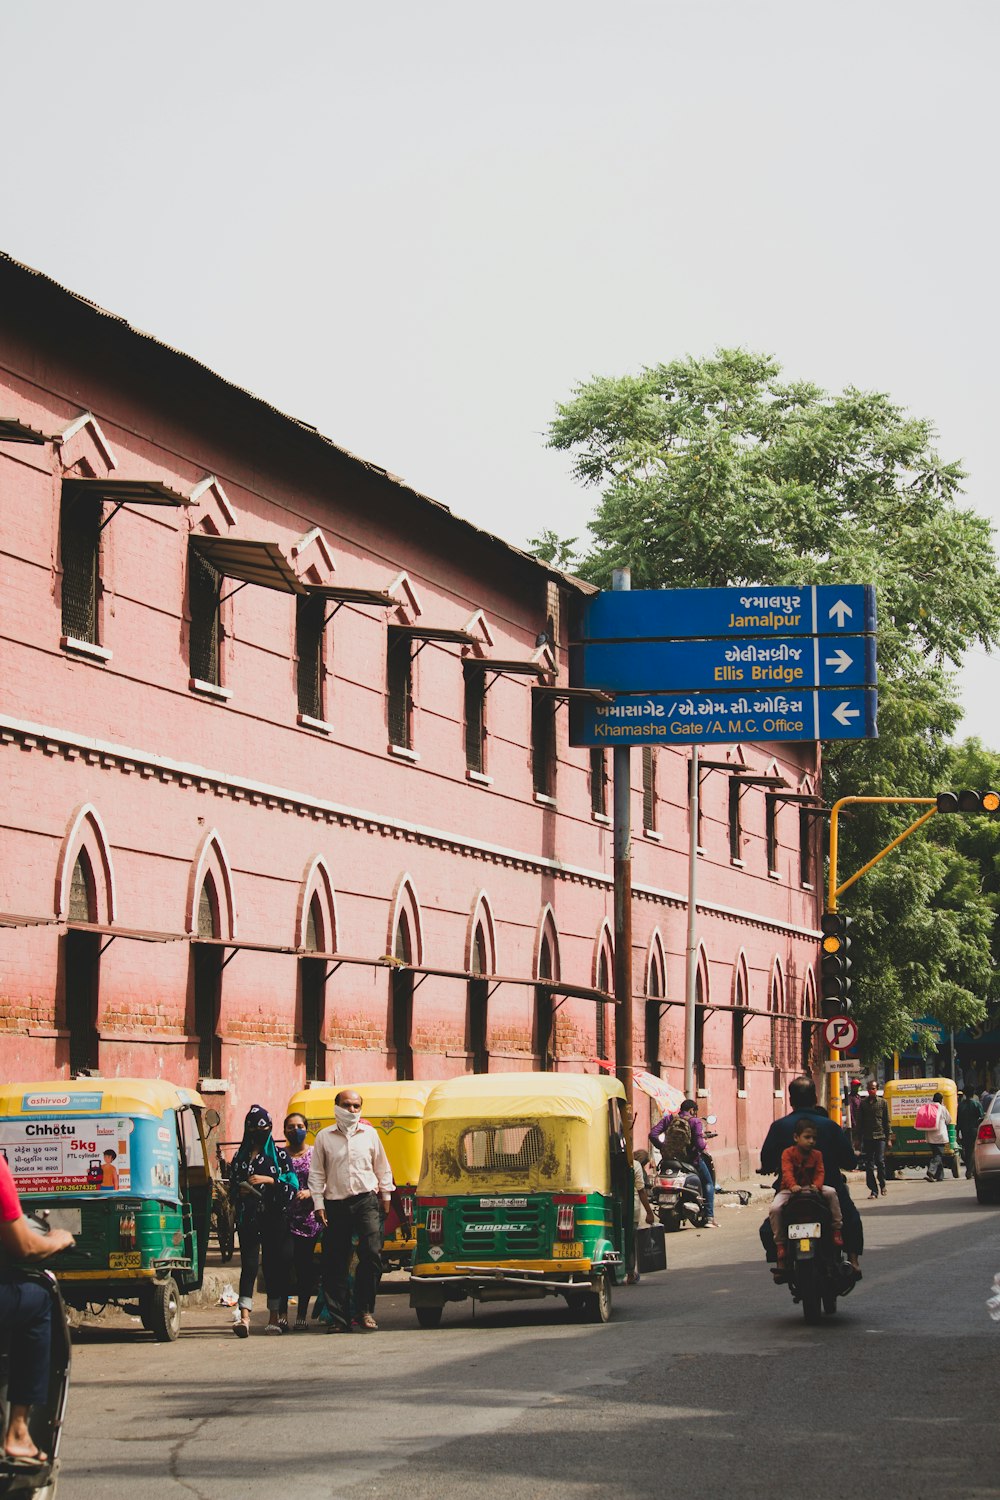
{"points": [[510, 1148]]}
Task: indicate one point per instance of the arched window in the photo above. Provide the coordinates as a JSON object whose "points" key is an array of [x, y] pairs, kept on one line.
{"points": [[83, 960], [208, 960], [402, 999], [544, 1014], [777, 1049], [479, 990], [700, 1011], [739, 1020], [82, 898], [313, 975], [605, 1061], [655, 993]]}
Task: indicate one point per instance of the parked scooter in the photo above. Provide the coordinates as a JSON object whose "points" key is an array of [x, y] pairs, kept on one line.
{"points": [[816, 1270], [678, 1193], [39, 1481]]}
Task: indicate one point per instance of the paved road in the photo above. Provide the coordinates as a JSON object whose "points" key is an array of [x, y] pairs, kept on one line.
{"points": [[706, 1383]]}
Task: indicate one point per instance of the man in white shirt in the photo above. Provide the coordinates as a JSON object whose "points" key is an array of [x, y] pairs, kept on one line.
{"points": [[348, 1175]]}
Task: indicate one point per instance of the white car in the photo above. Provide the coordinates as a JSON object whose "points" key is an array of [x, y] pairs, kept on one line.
{"points": [[986, 1156]]}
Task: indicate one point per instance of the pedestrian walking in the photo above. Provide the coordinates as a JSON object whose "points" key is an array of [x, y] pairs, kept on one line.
{"points": [[641, 1208], [264, 1184], [970, 1116], [349, 1176], [873, 1128], [303, 1224], [853, 1104], [937, 1137]]}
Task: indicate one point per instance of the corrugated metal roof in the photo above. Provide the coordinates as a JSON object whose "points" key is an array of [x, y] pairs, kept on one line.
{"points": [[306, 428], [253, 562]]}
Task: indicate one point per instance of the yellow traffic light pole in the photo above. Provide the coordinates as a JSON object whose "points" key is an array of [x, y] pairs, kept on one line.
{"points": [[836, 890]]}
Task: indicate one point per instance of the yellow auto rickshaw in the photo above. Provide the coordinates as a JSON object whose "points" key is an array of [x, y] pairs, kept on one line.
{"points": [[122, 1164], [525, 1191], [910, 1147], [396, 1110]]}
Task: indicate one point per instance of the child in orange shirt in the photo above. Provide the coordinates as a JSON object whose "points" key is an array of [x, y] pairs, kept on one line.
{"points": [[801, 1170]]}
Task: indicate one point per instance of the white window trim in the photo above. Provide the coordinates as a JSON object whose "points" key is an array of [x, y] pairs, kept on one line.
{"points": [[319, 725], [89, 649], [404, 752], [209, 689]]}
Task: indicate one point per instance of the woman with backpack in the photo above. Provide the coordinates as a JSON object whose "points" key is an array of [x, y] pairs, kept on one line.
{"points": [[681, 1137]]}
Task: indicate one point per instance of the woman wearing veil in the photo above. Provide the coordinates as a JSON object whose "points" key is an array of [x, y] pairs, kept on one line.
{"points": [[264, 1183]]}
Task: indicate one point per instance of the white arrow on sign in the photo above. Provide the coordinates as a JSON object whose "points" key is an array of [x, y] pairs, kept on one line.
{"points": [[840, 612], [843, 714], [840, 662]]}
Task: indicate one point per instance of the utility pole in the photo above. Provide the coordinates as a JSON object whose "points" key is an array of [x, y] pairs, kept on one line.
{"points": [[691, 969], [621, 579]]}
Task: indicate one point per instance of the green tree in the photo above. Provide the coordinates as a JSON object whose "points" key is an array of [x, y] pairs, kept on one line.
{"points": [[717, 472]]}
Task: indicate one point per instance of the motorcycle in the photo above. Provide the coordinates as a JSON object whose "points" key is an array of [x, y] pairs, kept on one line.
{"points": [[46, 1422], [816, 1270], [678, 1193]]}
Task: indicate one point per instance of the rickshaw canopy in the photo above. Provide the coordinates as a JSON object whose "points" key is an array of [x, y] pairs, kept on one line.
{"points": [[394, 1107], [96, 1096], [527, 1132]]}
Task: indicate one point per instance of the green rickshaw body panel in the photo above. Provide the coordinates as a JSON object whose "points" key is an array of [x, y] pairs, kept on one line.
{"points": [[114, 1180], [517, 1228]]}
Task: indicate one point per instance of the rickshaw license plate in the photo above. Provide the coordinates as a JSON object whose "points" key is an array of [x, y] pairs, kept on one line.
{"points": [[125, 1260], [803, 1231], [571, 1250]]}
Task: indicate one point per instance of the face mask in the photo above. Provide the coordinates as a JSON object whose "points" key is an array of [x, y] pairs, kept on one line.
{"points": [[347, 1119], [260, 1137], [295, 1135]]}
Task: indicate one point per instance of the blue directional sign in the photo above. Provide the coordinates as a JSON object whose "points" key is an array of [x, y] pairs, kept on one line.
{"points": [[676, 666], [711, 718], [687, 614]]}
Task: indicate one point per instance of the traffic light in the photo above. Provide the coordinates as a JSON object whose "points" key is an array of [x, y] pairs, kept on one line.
{"points": [[968, 802], [835, 963]]}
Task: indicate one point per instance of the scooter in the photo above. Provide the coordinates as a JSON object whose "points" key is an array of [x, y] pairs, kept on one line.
{"points": [[678, 1194], [46, 1422], [816, 1270]]}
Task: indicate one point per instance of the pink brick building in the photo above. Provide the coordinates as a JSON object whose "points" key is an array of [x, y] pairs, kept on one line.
{"points": [[285, 788]]}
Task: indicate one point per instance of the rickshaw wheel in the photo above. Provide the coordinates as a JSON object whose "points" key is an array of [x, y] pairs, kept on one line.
{"points": [[146, 1311], [598, 1302], [165, 1310], [429, 1317]]}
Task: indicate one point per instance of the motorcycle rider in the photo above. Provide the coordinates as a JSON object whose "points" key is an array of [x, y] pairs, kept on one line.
{"points": [[696, 1152], [833, 1144]]}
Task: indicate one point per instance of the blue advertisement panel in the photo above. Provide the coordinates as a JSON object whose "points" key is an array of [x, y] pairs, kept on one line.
{"points": [[723, 718], [689, 614], [92, 1154], [678, 666]]}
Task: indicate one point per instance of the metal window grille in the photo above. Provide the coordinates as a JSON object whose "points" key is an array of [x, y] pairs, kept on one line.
{"points": [[806, 822], [543, 739], [507, 1148], [312, 928], [475, 721], [206, 911], [203, 597], [649, 788], [771, 817], [399, 685], [309, 631], [598, 782], [739, 1026], [80, 551]]}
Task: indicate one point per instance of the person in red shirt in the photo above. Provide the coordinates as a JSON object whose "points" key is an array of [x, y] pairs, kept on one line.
{"points": [[802, 1171], [26, 1311]]}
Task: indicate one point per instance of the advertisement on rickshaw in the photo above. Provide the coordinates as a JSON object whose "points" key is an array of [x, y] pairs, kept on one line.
{"points": [[70, 1152]]}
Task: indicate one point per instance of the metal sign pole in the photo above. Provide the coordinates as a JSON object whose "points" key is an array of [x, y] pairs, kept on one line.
{"points": [[622, 580], [691, 973]]}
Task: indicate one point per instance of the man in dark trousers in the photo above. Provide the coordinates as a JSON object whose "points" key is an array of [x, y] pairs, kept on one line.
{"points": [[835, 1147], [873, 1123], [348, 1175], [970, 1117]]}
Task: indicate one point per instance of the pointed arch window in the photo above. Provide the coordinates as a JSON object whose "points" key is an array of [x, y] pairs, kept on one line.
{"points": [[82, 893], [479, 1004], [544, 1013], [313, 977], [774, 1005], [739, 1029], [82, 963], [402, 999], [700, 1010], [653, 1016], [208, 961]]}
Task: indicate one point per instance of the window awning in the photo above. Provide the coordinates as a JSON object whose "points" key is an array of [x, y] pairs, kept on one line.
{"points": [[13, 431], [251, 562], [125, 491], [432, 633], [499, 668], [573, 694], [338, 595]]}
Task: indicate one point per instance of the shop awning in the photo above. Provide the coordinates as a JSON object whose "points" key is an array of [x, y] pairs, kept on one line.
{"points": [[260, 563]]}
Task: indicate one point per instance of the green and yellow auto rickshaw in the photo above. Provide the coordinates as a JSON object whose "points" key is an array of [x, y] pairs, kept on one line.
{"points": [[525, 1191], [396, 1109], [122, 1164], [910, 1147]]}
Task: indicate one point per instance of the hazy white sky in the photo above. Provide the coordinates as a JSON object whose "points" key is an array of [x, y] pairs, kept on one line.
{"points": [[418, 226]]}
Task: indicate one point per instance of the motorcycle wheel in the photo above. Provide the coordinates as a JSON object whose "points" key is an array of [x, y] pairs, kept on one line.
{"points": [[671, 1220], [807, 1286], [829, 1303]]}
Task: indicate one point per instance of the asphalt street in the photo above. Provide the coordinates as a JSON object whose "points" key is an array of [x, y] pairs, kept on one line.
{"points": [[707, 1382]]}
